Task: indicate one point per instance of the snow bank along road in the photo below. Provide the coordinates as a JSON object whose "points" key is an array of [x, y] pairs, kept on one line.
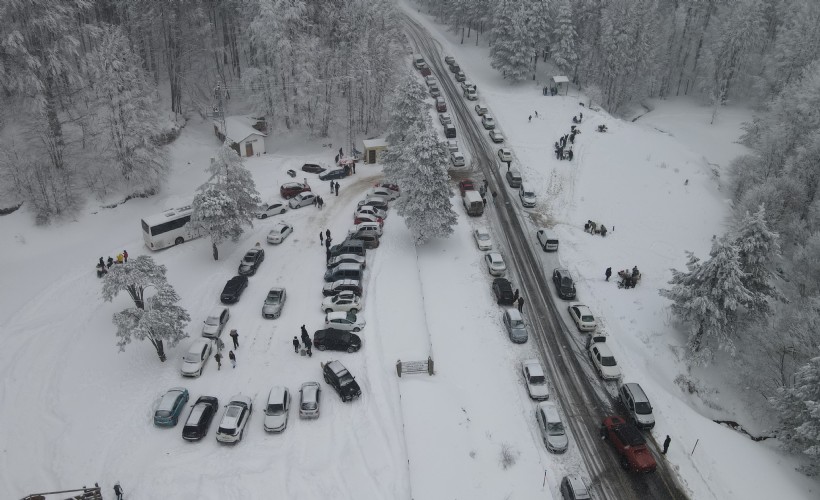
{"points": [[581, 398]]}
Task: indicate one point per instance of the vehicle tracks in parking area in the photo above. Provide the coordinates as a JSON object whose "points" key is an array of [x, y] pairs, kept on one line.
{"points": [[584, 401]]}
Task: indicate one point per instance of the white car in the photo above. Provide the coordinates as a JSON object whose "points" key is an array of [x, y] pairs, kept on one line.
{"points": [[482, 239], [496, 137], [370, 210], [383, 192], [435, 91], [452, 145], [505, 155], [481, 109], [193, 361], [274, 208], [279, 232], [309, 396], [343, 301], [604, 361], [277, 410], [347, 321], [527, 196], [582, 317], [302, 200], [215, 322], [488, 122], [445, 118], [430, 80], [552, 427], [236, 416], [467, 84], [367, 227], [535, 379], [495, 264], [470, 94], [457, 159], [348, 258]]}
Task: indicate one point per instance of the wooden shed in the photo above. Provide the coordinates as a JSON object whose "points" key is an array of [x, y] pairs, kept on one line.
{"points": [[373, 149], [558, 81]]}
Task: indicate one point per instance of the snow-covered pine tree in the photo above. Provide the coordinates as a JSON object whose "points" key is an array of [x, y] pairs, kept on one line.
{"points": [[805, 265], [799, 409], [707, 298], [425, 199], [563, 38], [758, 247], [215, 213], [511, 50], [405, 107], [125, 105], [158, 319]]}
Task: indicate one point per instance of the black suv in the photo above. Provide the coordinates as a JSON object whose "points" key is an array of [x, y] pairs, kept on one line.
{"points": [[336, 340], [337, 376], [450, 131], [251, 261], [196, 427], [563, 284], [334, 288], [502, 289], [369, 239], [233, 289]]}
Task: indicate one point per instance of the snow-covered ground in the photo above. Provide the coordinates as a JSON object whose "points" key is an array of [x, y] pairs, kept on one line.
{"points": [[76, 411]]}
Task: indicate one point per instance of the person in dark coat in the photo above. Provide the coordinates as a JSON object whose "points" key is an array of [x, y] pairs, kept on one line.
{"points": [[327, 255], [530, 119], [337, 189], [118, 490], [110, 262], [305, 338], [569, 155], [235, 338], [218, 358], [331, 187], [353, 165], [232, 357], [321, 238], [520, 304], [102, 263], [125, 256], [495, 195], [327, 243], [295, 344], [515, 295], [608, 273], [327, 233], [484, 200], [309, 346], [666, 444], [304, 333], [557, 151]]}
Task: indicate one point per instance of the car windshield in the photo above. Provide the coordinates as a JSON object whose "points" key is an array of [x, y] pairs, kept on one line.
{"points": [[248, 259], [273, 298], [345, 379], [308, 406], [608, 361], [555, 428], [588, 318], [163, 413], [517, 323], [191, 357], [537, 379], [212, 320], [233, 411], [274, 409], [226, 430], [643, 408], [529, 194], [483, 236], [567, 282]]}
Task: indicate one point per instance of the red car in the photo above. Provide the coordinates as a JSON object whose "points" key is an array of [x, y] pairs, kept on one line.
{"points": [[629, 443], [290, 189], [387, 185], [466, 185], [359, 218]]}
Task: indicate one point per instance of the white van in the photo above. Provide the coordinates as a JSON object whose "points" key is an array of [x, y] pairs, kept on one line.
{"points": [[547, 240], [418, 61]]}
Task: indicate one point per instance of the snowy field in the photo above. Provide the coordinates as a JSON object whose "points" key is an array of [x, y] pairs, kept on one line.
{"points": [[77, 412]]}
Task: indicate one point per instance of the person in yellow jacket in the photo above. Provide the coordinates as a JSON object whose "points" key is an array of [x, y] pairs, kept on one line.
{"points": [[119, 258]]}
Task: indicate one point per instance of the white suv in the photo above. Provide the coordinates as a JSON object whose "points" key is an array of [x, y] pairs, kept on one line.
{"points": [[234, 420]]}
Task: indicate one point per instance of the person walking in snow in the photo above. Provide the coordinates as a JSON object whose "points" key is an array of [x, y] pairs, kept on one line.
{"points": [[520, 304], [125, 256], [219, 344], [305, 336], [536, 113], [118, 490], [337, 189], [327, 233], [309, 346], [530, 120], [327, 255], [218, 358], [608, 273], [666, 444], [232, 357], [235, 338], [331, 187], [515, 295], [295, 344]]}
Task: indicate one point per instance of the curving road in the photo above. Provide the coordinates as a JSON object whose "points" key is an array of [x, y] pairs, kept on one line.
{"points": [[576, 387]]}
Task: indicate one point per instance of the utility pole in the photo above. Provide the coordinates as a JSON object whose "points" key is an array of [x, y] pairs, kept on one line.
{"points": [[219, 108]]}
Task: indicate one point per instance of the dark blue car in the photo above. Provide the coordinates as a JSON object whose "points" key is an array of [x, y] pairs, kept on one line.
{"points": [[336, 173], [170, 406]]}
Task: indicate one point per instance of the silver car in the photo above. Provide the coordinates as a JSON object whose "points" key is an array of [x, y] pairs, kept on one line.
{"points": [[347, 321], [495, 263], [483, 239], [274, 302], [193, 361], [527, 196], [348, 258], [551, 427], [236, 416], [309, 395], [535, 379], [215, 322], [514, 323], [302, 200], [277, 410]]}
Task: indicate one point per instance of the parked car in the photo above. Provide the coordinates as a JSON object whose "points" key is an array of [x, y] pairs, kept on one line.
{"points": [[348, 258], [371, 240], [233, 289], [371, 210], [170, 406], [200, 418], [445, 118], [302, 200], [505, 155], [348, 321], [383, 192], [502, 289], [496, 136], [251, 261], [331, 289], [215, 322], [470, 94], [279, 232], [515, 326], [435, 91], [430, 80], [629, 443], [277, 410], [488, 122], [346, 301], [574, 488], [274, 208], [441, 105], [236, 416], [547, 240], [465, 185], [425, 70], [582, 317], [290, 189], [527, 196], [637, 405], [336, 173], [460, 76], [535, 379], [337, 376], [359, 218], [481, 109], [513, 178], [194, 359], [274, 302], [563, 284], [457, 159], [380, 202], [551, 427], [450, 131], [309, 398], [336, 340], [313, 168], [467, 85], [452, 145], [455, 68], [495, 263], [392, 187], [483, 239], [418, 61], [604, 361], [450, 60], [364, 228]]}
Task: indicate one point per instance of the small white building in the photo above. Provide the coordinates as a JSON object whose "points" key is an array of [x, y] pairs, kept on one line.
{"points": [[243, 134], [373, 150]]}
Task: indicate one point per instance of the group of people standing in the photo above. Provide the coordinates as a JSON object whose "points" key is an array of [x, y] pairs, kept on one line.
{"points": [[563, 152], [220, 345], [306, 340], [103, 266]]}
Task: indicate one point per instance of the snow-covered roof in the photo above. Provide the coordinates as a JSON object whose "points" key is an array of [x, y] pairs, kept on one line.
{"points": [[239, 128], [560, 79], [374, 143]]}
